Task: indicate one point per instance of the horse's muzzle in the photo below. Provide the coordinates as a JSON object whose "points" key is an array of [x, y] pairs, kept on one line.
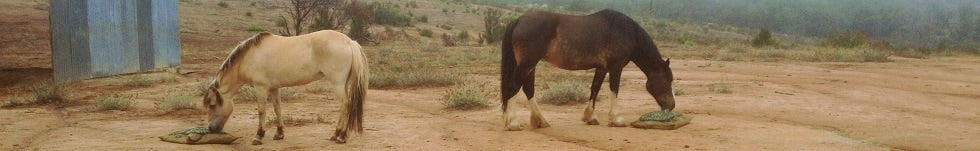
{"points": [[215, 127]]}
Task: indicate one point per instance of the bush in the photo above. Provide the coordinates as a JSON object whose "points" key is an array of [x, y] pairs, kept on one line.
{"points": [[763, 39], [424, 32], [223, 4], [175, 101], [14, 101], [846, 39], [247, 94], [139, 81], [722, 87], [861, 54], [114, 102], [415, 78], [385, 13], [202, 88], [359, 30], [565, 93], [254, 28], [493, 30], [423, 19], [465, 97], [431, 47], [50, 93], [463, 36]]}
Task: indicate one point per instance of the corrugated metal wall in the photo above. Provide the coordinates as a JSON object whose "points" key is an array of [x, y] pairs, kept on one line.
{"points": [[96, 38]]}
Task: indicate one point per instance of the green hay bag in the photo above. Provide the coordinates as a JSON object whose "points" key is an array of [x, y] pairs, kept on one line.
{"points": [[666, 120], [198, 135]]}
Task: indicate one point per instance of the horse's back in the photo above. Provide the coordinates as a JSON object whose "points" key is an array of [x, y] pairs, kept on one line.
{"points": [[296, 60], [573, 42]]}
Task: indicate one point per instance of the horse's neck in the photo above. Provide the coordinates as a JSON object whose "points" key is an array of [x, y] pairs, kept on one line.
{"points": [[228, 83], [645, 62]]}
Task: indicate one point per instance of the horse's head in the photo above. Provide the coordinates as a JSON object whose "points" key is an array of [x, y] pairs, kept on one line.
{"points": [[660, 84], [218, 109]]}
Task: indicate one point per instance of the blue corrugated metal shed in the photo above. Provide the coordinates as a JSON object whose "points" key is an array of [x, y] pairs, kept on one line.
{"points": [[95, 38]]}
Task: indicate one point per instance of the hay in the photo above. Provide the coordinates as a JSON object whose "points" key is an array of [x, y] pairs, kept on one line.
{"points": [[666, 120], [198, 135]]}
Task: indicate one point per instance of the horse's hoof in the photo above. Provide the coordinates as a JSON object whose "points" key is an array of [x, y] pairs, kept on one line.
{"points": [[278, 137], [541, 124], [617, 122], [256, 142], [592, 122], [338, 140], [513, 126]]}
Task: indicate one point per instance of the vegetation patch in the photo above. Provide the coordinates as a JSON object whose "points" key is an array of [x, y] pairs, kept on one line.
{"points": [[175, 101], [139, 81], [50, 93], [565, 93], [415, 78], [721, 87], [860, 54], [114, 102], [465, 97]]}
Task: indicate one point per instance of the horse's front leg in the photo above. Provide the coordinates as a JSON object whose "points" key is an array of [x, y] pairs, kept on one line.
{"points": [[261, 95], [614, 119], [274, 96]]}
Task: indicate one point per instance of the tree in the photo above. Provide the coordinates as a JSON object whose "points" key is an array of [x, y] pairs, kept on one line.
{"points": [[298, 11], [334, 16], [493, 31]]}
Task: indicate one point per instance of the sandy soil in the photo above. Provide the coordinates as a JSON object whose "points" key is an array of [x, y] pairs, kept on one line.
{"points": [[907, 104]]}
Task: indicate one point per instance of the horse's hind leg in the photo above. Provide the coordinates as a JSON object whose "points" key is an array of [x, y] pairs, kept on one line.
{"points": [[537, 120], [261, 95], [509, 86], [614, 119], [340, 133], [274, 96], [589, 116]]}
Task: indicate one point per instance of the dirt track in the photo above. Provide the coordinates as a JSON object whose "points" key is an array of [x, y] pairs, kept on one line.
{"points": [[906, 104]]}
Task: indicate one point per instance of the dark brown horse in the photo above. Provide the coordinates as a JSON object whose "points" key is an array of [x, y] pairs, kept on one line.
{"points": [[606, 41]]}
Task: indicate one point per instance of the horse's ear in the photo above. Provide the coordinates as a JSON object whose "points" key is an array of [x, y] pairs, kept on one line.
{"points": [[668, 61]]}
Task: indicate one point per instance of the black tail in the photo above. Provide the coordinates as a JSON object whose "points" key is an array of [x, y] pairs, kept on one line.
{"points": [[508, 63]]}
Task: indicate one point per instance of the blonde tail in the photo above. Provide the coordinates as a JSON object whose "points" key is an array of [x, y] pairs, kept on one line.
{"points": [[357, 86]]}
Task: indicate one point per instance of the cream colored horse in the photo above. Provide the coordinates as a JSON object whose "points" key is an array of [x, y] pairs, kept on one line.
{"points": [[268, 62]]}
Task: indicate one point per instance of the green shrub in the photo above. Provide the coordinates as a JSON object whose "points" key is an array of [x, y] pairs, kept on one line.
{"points": [[721, 87], [846, 39], [463, 35], [493, 30], [425, 32], [728, 56], [223, 4], [414, 78], [423, 19], [385, 13], [861, 54], [764, 39], [431, 47], [14, 101], [50, 93], [202, 88], [465, 97], [247, 94], [139, 81], [254, 28], [565, 93], [114, 102], [175, 101]]}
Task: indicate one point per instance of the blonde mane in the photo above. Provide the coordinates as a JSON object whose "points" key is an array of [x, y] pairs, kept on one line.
{"points": [[240, 50]]}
